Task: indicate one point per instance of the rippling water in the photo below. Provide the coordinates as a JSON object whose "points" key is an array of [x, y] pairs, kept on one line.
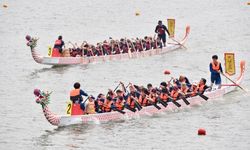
{"points": [[216, 27]]}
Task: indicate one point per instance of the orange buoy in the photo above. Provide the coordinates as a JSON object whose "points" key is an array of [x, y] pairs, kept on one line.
{"points": [[201, 131], [166, 72]]}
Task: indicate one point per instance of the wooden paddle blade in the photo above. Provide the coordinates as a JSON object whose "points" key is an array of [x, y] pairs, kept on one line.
{"points": [[165, 104], [129, 108], [120, 111], [203, 96], [137, 105], [176, 103], [156, 106], [185, 100]]}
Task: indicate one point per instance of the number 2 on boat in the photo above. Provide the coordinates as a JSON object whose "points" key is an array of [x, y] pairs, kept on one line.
{"points": [[69, 107], [49, 51]]}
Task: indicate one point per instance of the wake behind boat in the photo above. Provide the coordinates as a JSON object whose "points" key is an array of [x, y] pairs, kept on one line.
{"points": [[136, 53], [65, 120]]}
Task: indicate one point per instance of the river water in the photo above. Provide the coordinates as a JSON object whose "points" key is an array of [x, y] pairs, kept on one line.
{"points": [[216, 27]]}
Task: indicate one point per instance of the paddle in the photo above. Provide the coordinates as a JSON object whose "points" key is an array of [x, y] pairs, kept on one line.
{"points": [[182, 96], [85, 100], [203, 96], [115, 88], [165, 104], [120, 111], [153, 103], [129, 108], [137, 105], [199, 94], [233, 82], [167, 72], [179, 43], [175, 102]]}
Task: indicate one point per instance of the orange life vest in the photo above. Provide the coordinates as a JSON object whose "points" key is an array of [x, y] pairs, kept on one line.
{"points": [[215, 67], [184, 90], [107, 106], [164, 97], [119, 105], [75, 95], [201, 88], [153, 98], [90, 108], [58, 42], [174, 94], [130, 102], [194, 91], [143, 101]]}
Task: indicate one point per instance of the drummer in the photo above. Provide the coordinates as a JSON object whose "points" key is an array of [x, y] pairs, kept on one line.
{"points": [[76, 95]]}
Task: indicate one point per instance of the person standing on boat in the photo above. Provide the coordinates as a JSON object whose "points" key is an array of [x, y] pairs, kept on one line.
{"points": [[76, 95], [160, 30], [58, 47], [215, 69]]}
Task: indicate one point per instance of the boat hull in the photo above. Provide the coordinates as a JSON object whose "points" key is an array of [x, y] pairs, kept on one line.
{"points": [[151, 110], [86, 60]]}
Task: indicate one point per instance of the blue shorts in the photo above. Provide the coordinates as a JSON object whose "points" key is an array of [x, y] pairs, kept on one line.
{"points": [[216, 79], [162, 37]]}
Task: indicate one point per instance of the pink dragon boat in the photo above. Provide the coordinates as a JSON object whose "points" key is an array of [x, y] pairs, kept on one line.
{"points": [[66, 120], [86, 60]]}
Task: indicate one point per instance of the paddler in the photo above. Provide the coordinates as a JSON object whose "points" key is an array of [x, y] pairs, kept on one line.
{"points": [[58, 47], [182, 79], [164, 95], [160, 30], [90, 106], [132, 96], [143, 101], [215, 69], [119, 103], [76, 95], [175, 93], [150, 87], [202, 86], [99, 103], [107, 106], [184, 90], [153, 96]]}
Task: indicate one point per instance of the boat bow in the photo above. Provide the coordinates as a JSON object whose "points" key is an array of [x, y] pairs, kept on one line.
{"points": [[44, 99], [32, 43]]}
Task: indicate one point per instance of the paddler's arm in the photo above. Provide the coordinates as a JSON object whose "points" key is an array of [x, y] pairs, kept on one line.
{"points": [[83, 93], [123, 87], [165, 28], [74, 47], [187, 82], [156, 28]]}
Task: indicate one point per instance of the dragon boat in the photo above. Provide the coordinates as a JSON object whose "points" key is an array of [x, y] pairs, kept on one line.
{"points": [[47, 60], [66, 120]]}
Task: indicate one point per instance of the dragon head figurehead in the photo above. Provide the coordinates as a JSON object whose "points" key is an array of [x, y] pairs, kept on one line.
{"points": [[43, 98], [31, 41]]}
